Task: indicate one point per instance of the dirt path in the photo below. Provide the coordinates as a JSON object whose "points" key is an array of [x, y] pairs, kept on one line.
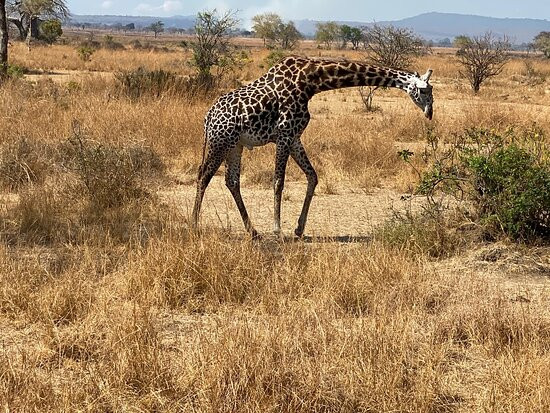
{"points": [[351, 213], [64, 76]]}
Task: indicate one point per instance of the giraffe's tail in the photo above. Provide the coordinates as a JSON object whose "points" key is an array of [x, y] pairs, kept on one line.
{"points": [[201, 167]]}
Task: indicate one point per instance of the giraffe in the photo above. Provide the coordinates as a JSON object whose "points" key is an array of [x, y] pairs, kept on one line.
{"points": [[274, 109]]}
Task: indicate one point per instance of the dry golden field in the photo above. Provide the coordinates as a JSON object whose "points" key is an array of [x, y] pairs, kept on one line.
{"points": [[109, 303]]}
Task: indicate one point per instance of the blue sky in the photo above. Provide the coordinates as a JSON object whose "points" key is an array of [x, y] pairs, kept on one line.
{"points": [[356, 10]]}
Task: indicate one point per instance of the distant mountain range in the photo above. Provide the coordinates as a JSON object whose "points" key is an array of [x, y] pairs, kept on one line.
{"points": [[430, 26]]}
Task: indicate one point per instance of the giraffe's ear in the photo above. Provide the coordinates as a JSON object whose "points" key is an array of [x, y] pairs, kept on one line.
{"points": [[427, 75]]}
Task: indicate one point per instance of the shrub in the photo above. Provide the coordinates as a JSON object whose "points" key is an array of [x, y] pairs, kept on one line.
{"points": [[110, 44], [427, 232], [140, 82], [22, 162], [16, 71], [504, 176], [111, 175], [512, 190], [85, 53], [274, 57], [50, 30]]}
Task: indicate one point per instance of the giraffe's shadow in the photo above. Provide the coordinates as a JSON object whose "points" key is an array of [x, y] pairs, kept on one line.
{"points": [[338, 239]]}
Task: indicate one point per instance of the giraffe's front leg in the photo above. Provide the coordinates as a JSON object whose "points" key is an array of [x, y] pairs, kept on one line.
{"points": [[299, 155], [281, 158]]}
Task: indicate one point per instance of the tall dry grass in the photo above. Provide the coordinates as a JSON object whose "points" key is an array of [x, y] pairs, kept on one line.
{"points": [[120, 307]]}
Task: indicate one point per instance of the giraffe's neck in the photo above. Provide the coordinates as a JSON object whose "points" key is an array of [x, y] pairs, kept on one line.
{"points": [[336, 75]]}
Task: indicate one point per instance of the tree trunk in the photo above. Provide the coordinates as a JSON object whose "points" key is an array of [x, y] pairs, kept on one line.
{"points": [[20, 26], [3, 40], [32, 32], [34, 27]]}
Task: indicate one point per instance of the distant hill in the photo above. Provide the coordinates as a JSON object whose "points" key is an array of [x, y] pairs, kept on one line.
{"points": [[437, 26], [431, 26]]}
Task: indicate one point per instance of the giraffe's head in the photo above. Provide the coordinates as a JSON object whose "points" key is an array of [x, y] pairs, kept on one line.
{"points": [[420, 91]]}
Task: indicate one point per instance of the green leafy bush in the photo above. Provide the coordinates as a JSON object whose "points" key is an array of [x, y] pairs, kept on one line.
{"points": [[16, 71], [85, 53], [109, 43], [512, 190], [274, 57], [504, 176], [50, 30]]}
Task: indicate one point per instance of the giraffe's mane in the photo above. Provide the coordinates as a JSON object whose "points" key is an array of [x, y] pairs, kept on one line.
{"points": [[339, 60]]}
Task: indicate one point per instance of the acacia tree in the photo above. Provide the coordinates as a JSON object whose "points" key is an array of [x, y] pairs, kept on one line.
{"points": [[483, 57], [157, 28], [265, 26], [327, 33], [542, 42], [3, 40], [274, 32], [212, 47], [353, 35], [25, 14], [288, 36], [392, 47]]}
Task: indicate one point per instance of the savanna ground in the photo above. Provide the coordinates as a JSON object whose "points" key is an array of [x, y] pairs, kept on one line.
{"points": [[109, 303]]}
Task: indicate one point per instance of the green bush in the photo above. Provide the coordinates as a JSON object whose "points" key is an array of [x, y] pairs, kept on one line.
{"points": [[16, 71], [274, 57], [85, 53], [109, 43], [50, 31], [512, 190], [504, 176]]}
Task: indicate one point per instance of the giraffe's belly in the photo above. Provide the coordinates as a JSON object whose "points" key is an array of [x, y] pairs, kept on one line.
{"points": [[250, 140]]}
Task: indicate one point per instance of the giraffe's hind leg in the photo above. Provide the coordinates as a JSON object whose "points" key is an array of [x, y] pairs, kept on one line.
{"points": [[281, 158], [212, 162], [233, 183], [299, 155]]}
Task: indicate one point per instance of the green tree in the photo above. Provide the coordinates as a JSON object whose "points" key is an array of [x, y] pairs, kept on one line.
{"points": [[274, 32], [542, 42], [266, 25], [156, 27], [352, 35], [460, 42], [212, 47], [51, 30], [327, 33]]}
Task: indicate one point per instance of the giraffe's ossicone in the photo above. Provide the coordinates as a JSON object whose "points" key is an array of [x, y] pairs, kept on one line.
{"points": [[274, 108]]}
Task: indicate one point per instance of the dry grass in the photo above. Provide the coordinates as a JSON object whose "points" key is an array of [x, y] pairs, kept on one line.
{"points": [[119, 307]]}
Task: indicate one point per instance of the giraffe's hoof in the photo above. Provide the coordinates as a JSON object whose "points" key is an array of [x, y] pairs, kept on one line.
{"points": [[255, 235], [299, 232]]}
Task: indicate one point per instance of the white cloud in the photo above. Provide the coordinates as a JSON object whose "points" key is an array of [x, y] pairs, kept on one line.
{"points": [[171, 6], [168, 6], [107, 4]]}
